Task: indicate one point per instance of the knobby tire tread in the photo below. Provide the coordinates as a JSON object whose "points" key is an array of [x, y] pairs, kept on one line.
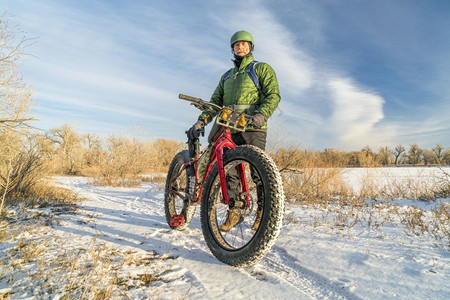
{"points": [[271, 223]]}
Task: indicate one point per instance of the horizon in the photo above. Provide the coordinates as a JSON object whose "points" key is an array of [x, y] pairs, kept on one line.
{"points": [[351, 74]]}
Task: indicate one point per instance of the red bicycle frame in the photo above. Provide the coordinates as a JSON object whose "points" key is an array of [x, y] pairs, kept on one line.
{"points": [[224, 141]]}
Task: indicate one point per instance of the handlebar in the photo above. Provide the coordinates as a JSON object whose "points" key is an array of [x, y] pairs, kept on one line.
{"points": [[199, 103], [189, 98], [227, 117]]}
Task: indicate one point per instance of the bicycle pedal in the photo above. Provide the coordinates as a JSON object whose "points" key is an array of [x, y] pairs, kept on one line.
{"points": [[176, 220]]}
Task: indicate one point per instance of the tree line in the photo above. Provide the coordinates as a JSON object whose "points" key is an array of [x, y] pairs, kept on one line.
{"points": [[295, 157], [400, 155]]}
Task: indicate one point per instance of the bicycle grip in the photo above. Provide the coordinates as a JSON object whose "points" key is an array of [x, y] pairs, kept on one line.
{"points": [[190, 98]]}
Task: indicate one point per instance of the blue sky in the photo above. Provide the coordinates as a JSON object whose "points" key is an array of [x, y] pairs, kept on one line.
{"points": [[351, 73]]}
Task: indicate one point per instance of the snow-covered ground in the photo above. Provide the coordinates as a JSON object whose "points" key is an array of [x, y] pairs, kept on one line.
{"points": [[412, 180], [312, 257]]}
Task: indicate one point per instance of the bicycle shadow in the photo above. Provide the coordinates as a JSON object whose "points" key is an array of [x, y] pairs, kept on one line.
{"points": [[112, 218]]}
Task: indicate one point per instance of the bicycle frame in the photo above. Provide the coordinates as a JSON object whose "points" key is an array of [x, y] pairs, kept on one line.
{"points": [[224, 141], [227, 119]]}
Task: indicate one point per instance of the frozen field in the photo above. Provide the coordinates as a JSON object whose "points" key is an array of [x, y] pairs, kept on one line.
{"points": [[312, 258]]}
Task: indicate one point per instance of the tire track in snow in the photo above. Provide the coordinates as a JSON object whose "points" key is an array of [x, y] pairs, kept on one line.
{"points": [[277, 262], [285, 267]]}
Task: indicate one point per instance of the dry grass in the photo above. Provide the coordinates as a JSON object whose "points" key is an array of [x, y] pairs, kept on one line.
{"points": [[45, 193], [315, 185], [90, 271], [377, 184], [341, 207], [114, 181], [155, 178]]}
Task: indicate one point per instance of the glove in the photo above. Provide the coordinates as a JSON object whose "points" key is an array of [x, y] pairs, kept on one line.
{"points": [[258, 120], [194, 131]]}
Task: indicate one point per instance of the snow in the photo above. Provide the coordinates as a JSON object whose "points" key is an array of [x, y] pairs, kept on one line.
{"points": [[418, 177], [311, 259]]}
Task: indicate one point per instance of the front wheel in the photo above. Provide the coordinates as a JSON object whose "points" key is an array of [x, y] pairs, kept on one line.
{"points": [[244, 243], [178, 186]]}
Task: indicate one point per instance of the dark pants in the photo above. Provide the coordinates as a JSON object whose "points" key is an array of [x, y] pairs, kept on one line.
{"points": [[255, 138]]}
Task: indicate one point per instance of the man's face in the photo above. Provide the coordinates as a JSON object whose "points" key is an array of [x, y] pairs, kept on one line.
{"points": [[241, 48]]}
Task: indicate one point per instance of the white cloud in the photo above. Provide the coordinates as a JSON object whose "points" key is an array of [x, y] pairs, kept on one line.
{"points": [[352, 113], [355, 113]]}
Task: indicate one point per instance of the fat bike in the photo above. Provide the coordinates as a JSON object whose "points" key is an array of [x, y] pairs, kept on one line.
{"points": [[201, 178]]}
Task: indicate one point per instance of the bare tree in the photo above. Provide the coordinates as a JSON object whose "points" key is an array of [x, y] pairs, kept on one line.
{"points": [[446, 157], [399, 149], [333, 158], [16, 160], [68, 149], [385, 155], [15, 95], [414, 154], [438, 153], [367, 158], [428, 157], [94, 149]]}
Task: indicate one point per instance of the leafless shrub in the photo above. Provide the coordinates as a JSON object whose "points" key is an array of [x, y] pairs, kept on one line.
{"points": [[288, 158], [15, 95], [444, 184], [440, 224], [309, 177], [330, 158], [125, 160], [67, 153], [20, 168], [161, 153], [316, 185]]}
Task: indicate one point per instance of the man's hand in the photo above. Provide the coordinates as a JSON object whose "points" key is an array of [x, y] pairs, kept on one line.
{"points": [[258, 120], [194, 132]]}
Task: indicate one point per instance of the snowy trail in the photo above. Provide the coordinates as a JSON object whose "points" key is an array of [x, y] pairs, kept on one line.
{"points": [[306, 262], [289, 269], [135, 217]]}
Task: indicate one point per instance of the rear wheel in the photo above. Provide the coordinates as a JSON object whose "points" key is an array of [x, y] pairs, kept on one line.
{"points": [[176, 201], [243, 245]]}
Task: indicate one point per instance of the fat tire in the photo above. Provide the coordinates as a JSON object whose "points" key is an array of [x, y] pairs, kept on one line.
{"points": [[169, 199], [274, 202]]}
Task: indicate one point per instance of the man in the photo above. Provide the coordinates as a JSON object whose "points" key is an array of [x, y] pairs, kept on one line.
{"points": [[238, 90]]}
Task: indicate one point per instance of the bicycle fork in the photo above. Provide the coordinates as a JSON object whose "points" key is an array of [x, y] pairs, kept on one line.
{"points": [[223, 182]]}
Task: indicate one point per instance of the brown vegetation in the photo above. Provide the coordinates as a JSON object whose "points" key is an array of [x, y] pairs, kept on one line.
{"points": [[117, 161], [316, 179]]}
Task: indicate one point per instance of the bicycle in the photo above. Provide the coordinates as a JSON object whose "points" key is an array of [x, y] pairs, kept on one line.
{"points": [[200, 177]]}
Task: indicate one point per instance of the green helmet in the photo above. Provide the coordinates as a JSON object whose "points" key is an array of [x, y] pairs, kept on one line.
{"points": [[241, 36]]}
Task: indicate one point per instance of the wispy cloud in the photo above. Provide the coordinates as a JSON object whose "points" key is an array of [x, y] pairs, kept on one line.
{"points": [[132, 59], [354, 113], [349, 112]]}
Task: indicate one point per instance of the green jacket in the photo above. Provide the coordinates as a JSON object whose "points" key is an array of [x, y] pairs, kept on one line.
{"points": [[240, 90]]}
